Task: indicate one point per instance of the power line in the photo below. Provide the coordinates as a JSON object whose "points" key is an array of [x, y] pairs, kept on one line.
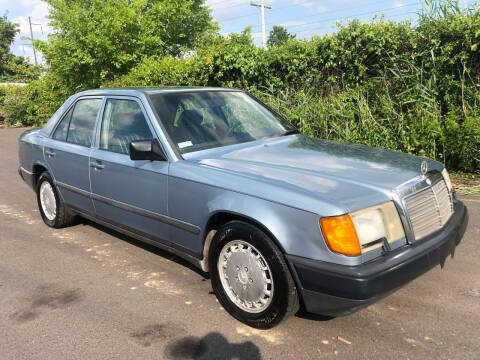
{"points": [[350, 16], [31, 38], [229, 5], [324, 26], [299, 4]]}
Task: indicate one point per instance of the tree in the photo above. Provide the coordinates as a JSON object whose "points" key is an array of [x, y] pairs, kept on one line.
{"points": [[97, 41], [8, 31], [12, 67], [278, 36]]}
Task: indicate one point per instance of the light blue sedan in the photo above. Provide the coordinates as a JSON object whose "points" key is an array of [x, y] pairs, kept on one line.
{"points": [[278, 219]]}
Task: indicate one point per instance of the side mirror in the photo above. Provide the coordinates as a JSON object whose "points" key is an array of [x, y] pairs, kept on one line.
{"points": [[147, 150]]}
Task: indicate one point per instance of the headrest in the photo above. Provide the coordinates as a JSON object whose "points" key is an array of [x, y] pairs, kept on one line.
{"points": [[125, 120], [191, 116]]}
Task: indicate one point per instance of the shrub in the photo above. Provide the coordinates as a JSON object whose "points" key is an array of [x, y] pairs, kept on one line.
{"points": [[14, 105], [43, 97], [159, 71]]}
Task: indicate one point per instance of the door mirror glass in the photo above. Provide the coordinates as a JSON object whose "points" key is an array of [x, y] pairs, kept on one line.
{"points": [[147, 150]]}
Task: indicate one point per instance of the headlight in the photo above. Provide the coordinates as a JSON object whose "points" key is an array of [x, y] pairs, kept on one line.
{"points": [[370, 227], [446, 177], [363, 230]]}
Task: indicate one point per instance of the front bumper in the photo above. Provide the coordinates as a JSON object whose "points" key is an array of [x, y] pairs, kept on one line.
{"points": [[335, 290]]}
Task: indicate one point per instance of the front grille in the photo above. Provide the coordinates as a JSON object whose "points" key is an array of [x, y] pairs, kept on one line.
{"points": [[429, 209]]}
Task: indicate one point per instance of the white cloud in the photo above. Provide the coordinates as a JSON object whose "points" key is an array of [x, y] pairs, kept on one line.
{"points": [[325, 5], [398, 4], [25, 51], [224, 9], [312, 4], [38, 13], [293, 23]]}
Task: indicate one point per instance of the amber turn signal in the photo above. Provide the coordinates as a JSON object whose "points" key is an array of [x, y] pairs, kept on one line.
{"points": [[340, 235]]}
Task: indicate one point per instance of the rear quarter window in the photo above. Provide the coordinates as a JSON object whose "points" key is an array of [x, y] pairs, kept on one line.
{"points": [[82, 123], [62, 128]]}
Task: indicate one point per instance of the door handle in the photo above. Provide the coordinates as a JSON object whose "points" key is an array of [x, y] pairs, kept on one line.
{"points": [[97, 165], [50, 153]]}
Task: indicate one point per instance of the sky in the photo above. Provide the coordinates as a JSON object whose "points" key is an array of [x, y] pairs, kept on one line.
{"points": [[301, 17]]}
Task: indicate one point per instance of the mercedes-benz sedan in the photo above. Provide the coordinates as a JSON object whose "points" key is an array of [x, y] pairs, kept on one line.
{"points": [[278, 219]]}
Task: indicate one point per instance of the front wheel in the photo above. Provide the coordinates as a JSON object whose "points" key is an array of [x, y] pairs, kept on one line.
{"points": [[53, 211], [250, 276]]}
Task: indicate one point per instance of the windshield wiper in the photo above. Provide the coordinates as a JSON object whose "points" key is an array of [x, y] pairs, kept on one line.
{"points": [[291, 132]]}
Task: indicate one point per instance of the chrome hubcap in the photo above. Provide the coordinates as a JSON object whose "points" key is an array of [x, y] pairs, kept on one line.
{"points": [[245, 276], [47, 200]]}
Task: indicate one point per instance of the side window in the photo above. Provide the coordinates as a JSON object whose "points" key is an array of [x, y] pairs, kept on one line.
{"points": [[62, 128], [83, 121], [123, 122]]}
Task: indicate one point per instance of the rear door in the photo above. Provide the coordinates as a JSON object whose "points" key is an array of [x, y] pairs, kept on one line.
{"points": [[131, 194], [67, 152]]}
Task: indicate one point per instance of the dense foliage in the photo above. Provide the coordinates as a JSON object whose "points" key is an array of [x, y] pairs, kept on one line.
{"points": [[409, 87]]}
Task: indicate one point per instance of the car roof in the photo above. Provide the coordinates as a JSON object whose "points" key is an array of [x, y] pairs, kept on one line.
{"points": [[152, 90]]}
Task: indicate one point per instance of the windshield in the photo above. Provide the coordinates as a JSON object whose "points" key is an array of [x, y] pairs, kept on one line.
{"points": [[207, 119]]}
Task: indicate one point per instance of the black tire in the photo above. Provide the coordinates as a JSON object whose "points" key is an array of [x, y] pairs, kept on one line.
{"points": [[285, 299], [63, 215]]}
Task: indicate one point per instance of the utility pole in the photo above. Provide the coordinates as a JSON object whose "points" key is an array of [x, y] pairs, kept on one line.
{"points": [[31, 38], [262, 7]]}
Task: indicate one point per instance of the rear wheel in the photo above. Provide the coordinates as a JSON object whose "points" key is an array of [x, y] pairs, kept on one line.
{"points": [[53, 211], [250, 276]]}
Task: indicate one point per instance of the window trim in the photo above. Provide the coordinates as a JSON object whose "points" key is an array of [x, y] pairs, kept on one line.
{"points": [[98, 129], [72, 107]]}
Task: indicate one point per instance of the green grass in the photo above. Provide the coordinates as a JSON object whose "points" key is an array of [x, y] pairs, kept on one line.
{"points": [[466, 184]]}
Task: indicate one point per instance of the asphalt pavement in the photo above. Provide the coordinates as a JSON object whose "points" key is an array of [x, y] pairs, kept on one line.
{"points": [[86, 292]]}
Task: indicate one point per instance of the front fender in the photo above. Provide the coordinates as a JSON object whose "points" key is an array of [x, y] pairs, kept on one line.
{"points": [[297, 232]]}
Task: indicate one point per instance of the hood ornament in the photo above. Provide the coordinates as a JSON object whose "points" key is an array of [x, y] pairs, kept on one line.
{"points": [[424, 167]]}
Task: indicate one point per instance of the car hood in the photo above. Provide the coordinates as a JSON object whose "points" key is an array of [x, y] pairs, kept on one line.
{"points": [[351, 175]]}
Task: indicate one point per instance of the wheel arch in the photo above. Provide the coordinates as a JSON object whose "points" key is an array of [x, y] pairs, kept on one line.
{"points": [[37, 169], [221, 217]]}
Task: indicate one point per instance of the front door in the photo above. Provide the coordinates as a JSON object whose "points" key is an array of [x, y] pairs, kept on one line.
{"points": [[67, 153], [128, 193]]}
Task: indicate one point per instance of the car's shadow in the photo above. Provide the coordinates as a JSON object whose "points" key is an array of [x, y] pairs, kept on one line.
{"points": [[211, 346], [153, 249]]}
